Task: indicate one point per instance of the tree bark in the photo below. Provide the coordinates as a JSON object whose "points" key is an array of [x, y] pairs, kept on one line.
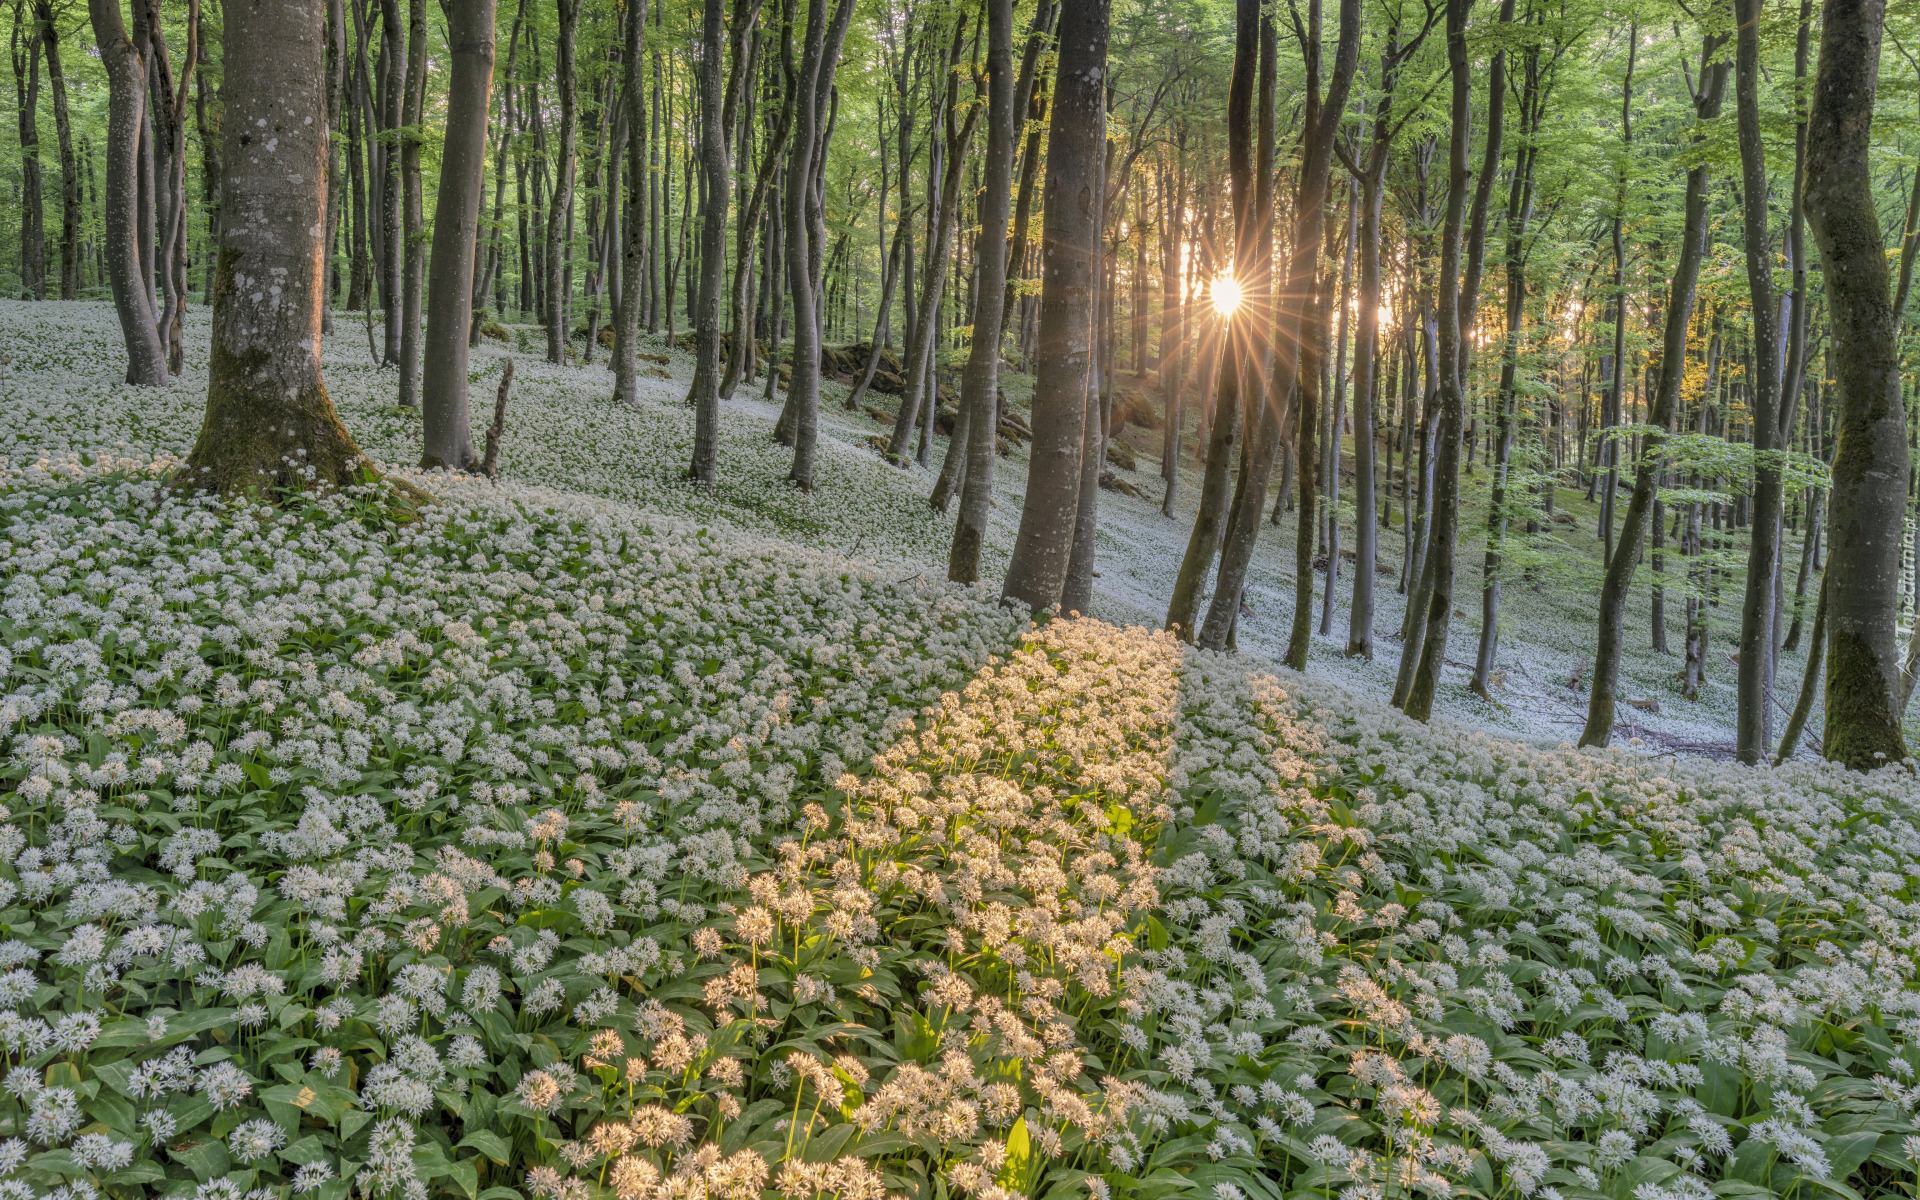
{"points": [[413, 245], [1870, 466], [980, 387], [1071, 216], [69, 169], [24, 51], [922, 392], [1237, 373], [126, 115], [560, 203], [1301, 323], [805, 223], [393, 61], [1754, 693], [1433, 596], [1601, 694], [448, 428], [633, 248], [270, 427]]}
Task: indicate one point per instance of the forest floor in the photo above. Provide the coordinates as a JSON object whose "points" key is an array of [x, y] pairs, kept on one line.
{"points": [[596, 743], [60, 394]]}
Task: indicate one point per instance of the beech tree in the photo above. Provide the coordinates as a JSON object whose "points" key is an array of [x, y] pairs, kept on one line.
{"points": [[1071, 220], [270, 426]]}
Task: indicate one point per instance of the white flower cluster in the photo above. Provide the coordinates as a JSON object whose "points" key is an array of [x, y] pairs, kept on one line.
{"points": [[537, 845]]}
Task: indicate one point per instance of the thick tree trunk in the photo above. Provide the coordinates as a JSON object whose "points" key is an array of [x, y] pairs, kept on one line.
{"points": [[126, 115], [448, 440], [980, 387], [1071, 217], [1618, 583], [270, 427], [1870, 464]]}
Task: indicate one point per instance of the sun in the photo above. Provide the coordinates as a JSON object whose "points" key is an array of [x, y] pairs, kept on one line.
{"points": [[1226, 295]]}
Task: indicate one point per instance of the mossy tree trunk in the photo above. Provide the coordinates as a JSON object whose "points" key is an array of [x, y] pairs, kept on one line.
{"points": [[269, 423], [1868, 503]]}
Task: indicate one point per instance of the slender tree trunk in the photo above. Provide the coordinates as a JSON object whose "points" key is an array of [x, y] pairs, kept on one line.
{"points": [[748, 224], [1809, 680], [633, 248], [1435, 593], [391, 251], [1601, 696], [413, 247], [269, 423], [1336, 420], [922, 391], [980, 388], [805, 224], [1239, 367], [560, 203], [1754, 692], [456, 217], [1301, 324], [126, 115], [25, 54], [69, 169], [1071, 219], [1870, 465]]}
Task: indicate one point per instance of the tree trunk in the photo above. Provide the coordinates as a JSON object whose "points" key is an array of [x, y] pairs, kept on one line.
{"points": [[1029, 108], [1809, 680], [980, 387], [126, 115], [69, 170], [805, 224], [448, 440], [1239, 367], [1870, 464], [560, 203], [1754, 692], [25, 55], [391, 252], [270, 427], [1071, 217], [633, 248], [1301, 323], [1456, 292], [922, 390], [748, 224], [413, 246], [1336, 420], [1618, 583]]}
